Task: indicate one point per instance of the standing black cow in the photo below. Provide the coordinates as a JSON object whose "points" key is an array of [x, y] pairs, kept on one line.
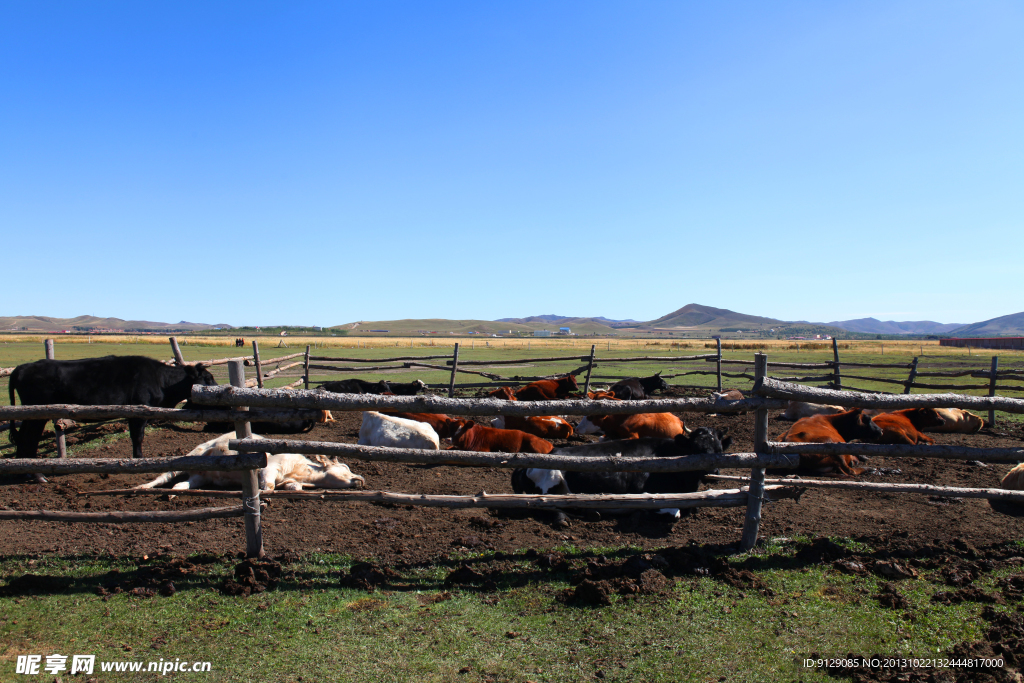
{"points": [[111, 380], [638, 388]]}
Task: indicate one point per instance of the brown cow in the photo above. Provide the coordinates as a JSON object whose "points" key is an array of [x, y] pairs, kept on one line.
{"points": [[838, 428], [905, 426], [474, 437], [602, 396], [505, 393], [548, 389], [444, 425], [546, 427], [660, 425]]}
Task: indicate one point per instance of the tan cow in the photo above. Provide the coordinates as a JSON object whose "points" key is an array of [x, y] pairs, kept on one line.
{"points": [[797, 410], [958, 420]]}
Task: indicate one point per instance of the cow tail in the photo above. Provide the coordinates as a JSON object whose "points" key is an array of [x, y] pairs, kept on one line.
{"points": [[13, 435]]}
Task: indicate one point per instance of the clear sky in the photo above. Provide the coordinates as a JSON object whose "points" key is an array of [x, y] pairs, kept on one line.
{"points": [[324, 162]]}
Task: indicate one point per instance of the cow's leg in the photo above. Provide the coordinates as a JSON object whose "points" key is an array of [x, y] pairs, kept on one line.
{"points": [[28, 438], [137, 430], [27, 441]]}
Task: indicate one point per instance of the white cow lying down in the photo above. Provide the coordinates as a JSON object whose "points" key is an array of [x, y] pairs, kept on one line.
{"points": [[397, 432], [286, 471]]}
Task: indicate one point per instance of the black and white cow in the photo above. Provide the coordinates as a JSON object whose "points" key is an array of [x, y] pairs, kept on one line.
{"points": [[111, 380], [700, 440], [638, 388]]}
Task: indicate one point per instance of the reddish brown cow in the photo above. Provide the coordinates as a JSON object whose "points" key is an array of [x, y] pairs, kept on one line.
{"points": [[444, 425], [474, 437], [602, 396], [506, 393], [661, 425], [547, 427], [548, 389], [905, 426], [838, 428]]}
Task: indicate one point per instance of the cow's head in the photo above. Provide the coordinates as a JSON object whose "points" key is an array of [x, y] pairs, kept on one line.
{"points": [[463, 427], [865, 429], [926, 419], [200, 375], [335, 475], [569, 381], [659, 383], [702, 440]]}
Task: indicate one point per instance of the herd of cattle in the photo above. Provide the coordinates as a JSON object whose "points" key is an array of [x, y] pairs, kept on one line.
{"points": [[136, 380]]}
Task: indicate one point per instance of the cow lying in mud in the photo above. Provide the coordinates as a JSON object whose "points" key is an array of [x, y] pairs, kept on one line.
{"points": [[284, 471]]}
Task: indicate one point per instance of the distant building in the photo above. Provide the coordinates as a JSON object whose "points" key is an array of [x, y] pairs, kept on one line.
{"points": [[564, 330], [986, 342], [542, 333]]}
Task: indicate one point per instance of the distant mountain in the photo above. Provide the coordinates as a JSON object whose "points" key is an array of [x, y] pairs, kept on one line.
{"points": [[1004, 326], [695, 315], [558, 319], [86, 323], [875, 326]]}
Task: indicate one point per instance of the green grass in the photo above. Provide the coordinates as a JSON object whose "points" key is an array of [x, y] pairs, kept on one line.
{"points": [[701, 630], [936, 358]]}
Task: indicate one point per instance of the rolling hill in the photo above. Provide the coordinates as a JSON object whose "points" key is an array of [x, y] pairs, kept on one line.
{"points": [[875, 326], [695, 315], [1004, 326], [86, 323]]}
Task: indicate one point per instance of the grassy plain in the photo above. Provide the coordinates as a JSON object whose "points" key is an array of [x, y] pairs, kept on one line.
{"points": [[932, 358], [312, 629]]}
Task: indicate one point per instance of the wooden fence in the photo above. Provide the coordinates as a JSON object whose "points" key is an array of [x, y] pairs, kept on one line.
{"points": [[770, 393]]}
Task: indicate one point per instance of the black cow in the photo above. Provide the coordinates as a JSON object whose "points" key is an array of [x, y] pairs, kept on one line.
{"points": [[111, 380], [638, 388], [700, 440], [361, 386]]}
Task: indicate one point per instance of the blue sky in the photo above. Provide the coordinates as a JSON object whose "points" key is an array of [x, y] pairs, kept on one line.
{"points": [[319, 163]]}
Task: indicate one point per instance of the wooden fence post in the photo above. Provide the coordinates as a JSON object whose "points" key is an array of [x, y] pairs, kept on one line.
{"points": [[911, 377], [719, 340], [992, 389], [305, 368], [590, 367], [59, 441], [755, 494], [178, 358], [837, 380], [250, 478], [455, 367], [259, 366]]}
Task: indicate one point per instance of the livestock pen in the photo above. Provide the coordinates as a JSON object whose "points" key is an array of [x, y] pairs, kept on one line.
{"points": [[283, 405]]}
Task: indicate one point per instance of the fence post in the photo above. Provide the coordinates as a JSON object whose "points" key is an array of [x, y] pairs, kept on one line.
{"points": [[259, 366], [837, 380], [911, 377], [992, 389], [250, 478], [455, 366], [755, 494], [590, 367], [59, 441], [719, 340], [305, 368], [178, 358]]}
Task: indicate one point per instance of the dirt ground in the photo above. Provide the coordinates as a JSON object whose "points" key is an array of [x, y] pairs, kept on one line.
{"points": [[387, 533]]}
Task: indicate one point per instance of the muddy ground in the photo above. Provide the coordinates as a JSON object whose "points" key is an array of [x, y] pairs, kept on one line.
{"points": [[386, 533]]}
